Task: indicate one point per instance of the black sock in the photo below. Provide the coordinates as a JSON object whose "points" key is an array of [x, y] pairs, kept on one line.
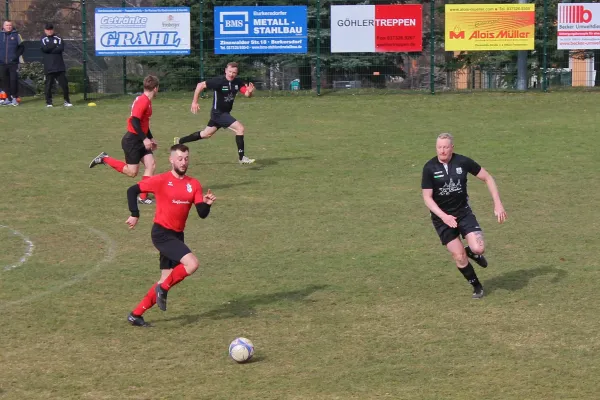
{"points": [[239, 140], [470, 275], [190, 138]]}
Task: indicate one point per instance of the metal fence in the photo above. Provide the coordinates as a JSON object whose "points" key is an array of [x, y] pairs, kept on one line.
{"points": [[319, 71]]}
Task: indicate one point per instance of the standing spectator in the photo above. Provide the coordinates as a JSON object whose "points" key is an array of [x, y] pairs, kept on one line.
{"points": [[54, 65], [11, 49]]}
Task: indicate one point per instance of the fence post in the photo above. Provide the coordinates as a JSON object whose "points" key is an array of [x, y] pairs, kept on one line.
{"points": [[124, 4], [202, 43], [84, 35], [545, 50], [6, 10], [318, 47], [432, 46]]}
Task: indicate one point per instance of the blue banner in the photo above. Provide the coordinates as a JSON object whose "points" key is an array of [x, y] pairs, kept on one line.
{"points": [[260, 30]]}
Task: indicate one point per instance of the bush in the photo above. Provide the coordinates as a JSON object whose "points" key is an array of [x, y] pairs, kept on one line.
{"points": [[33, 71], [74, 87]]}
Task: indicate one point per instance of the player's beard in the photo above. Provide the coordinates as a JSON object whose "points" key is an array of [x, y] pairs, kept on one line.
{"points": [[180, 172]]}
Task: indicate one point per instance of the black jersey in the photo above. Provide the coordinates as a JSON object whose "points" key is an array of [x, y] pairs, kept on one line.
{"points": [[224, 92], [449, 183]]}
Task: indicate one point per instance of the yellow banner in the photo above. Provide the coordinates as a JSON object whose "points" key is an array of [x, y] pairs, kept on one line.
{"points": [[490, 27]]}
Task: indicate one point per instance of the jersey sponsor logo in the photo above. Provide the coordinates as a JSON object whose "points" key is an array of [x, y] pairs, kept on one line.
{"points": [[459, 170], [438, 174], [450, 187], [189, 188], [225, 88], [180, 201], [229, 98], [170, 183]]}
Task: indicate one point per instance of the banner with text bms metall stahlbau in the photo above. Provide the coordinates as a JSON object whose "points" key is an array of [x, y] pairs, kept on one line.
{"points": [[578, 26], [376, 28], [146, 31], [260, 30]]}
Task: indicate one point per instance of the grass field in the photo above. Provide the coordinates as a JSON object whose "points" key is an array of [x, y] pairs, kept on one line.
{"points": [[322, 253]]}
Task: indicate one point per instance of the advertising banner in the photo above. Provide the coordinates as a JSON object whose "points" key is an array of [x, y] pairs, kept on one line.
{"points": [[376, 28], [260, 30], [490, 27], [142, 31], [578, 26]]}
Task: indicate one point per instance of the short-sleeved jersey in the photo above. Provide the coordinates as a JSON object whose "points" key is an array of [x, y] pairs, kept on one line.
{"points": [[224, 92], [449, 183], [174, 198], [141, 109]]}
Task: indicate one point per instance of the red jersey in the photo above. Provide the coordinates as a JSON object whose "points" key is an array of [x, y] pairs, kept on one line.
{"points": [[141, 109], [174, 198]]}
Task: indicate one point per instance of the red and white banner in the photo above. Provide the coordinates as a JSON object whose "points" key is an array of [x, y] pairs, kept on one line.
{"points": [[578, 26], [376, 28]]}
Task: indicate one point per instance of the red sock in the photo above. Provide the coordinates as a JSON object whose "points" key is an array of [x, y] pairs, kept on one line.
{"points": [[115, 164], [177, 275], [144, 196], [147, 302]]}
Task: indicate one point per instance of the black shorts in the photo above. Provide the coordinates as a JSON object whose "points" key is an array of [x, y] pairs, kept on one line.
{"points": [[134, 149], [466, 224], [170, 245], [220, 120]]}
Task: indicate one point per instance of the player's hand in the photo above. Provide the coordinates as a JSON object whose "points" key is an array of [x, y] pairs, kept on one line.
{"points": [[132, 221], [209, 197], [500, 213], [148, 144], [195, 107], [250, 89], [154, 145], [450, 220]]}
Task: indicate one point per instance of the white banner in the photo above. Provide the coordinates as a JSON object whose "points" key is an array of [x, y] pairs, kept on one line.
{"points": [[578, 26], [142, 31]]}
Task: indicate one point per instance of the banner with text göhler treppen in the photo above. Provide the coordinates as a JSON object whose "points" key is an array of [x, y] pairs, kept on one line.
{"points": [[578, 26], [376, 28], [490, 27]]}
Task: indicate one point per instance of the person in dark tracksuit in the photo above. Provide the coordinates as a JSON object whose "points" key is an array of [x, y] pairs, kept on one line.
{"points": [[54, 65], [11, 49]]}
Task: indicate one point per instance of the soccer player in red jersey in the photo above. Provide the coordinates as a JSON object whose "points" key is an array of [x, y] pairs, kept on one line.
{"points": [[175, 193], [138, 142]]}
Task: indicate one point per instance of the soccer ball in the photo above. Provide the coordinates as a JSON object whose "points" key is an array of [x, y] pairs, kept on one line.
{"points": [[241, 350]]}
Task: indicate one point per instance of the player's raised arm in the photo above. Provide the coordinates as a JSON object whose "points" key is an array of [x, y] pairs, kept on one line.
{"points": [[199, 89]]}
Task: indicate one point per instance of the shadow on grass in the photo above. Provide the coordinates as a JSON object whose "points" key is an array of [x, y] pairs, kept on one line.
{"points": [[245, 306], [517, 280]]}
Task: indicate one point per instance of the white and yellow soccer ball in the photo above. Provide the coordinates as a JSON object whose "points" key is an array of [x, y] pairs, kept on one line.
{"points": [[241, 350]]}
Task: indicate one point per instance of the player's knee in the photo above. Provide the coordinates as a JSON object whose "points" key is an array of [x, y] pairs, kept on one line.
{"points": [[132, 173], [460, 257], [206, 134], [478, 248], [191, 265], [240, 130]]}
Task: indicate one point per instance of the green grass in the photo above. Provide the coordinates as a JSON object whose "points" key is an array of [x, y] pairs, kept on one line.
{"points": [[322, 253]]}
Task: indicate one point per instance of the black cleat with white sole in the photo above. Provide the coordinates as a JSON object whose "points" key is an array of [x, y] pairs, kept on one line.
{"points": [[99, 159], [478, 292], [137, 320]]}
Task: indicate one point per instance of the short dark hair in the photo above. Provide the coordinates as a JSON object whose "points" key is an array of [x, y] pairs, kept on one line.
{"points": [[232, 65], [181, 147], [150, 82], [49, 26]]}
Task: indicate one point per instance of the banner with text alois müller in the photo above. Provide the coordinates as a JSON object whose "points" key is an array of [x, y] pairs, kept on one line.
{"points": [[376, 28], [578, 26], [260, 30], [490, 27]]}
